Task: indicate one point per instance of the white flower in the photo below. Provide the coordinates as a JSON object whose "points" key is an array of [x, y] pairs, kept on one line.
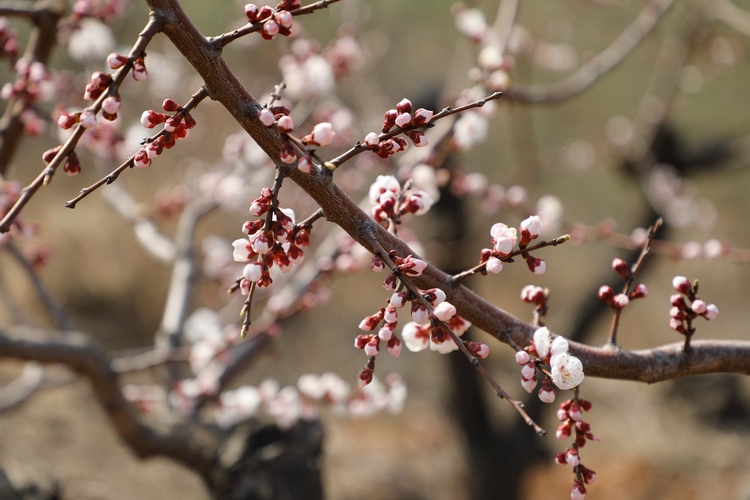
{"points": [[567, 371], [533, 225], [542, 341], [382, 184], [414, 337]]}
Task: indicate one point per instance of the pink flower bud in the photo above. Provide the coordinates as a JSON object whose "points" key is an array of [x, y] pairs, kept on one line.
{"points": [[572, 458], [547, 395], [266, 117], [253, 272], [529, 369], [479, 349], [385, 334], [141, 159], [389, 119], [532, 225], [578, 491], [116, 61], [640, 291], [678, 300], [322, 134], [284, 18], [372, 139], [305, 164], [677, 325], [285, 124], [494, 265], [403, 120], [265, 12], [270, 29], [67, 120], [621, 267], [418, 312], [711, 311], [111, 105], [681, 284], [421, 117], [404, 106], [606, 294], [373, 346], [377, 265], [620, 301], [522, 357], [394, 347], [88, 119], [528, 384], [699, 306], [251, 11]]}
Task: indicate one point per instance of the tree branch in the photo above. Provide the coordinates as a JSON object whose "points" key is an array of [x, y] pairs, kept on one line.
{"points": [[598, 66], [193, 447]]}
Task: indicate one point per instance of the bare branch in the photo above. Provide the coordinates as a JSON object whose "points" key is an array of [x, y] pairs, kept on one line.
{"points": [[193, 447], [598, 66]]}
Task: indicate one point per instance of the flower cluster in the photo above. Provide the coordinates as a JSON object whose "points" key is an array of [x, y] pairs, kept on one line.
{"points": [[571, 416], [403, 118], [176, 127], [279, 244], [275, 21], [686, 306], [29, 87], [566, 370], [8, 41], [390, 202], [621, 300], [504, 240]]}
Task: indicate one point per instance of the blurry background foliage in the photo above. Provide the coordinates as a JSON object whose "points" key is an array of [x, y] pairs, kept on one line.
{"points": [[655, 443]]}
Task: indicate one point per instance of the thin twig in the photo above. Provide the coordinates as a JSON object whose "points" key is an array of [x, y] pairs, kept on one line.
{"points": [[627, 288], [599, 65]]}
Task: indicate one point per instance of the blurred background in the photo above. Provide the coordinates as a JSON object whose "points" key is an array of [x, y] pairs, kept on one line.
{"points": [[683, 439]]}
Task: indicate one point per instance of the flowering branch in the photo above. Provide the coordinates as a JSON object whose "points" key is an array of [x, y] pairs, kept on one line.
{"points": [[662, 363], [67, 148], [195, 99]]}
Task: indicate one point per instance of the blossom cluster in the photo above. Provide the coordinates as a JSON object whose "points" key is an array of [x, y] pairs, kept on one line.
{"points": [[281, 243], [619, 301], [391, 202], [275, 21], [571, 416], [30, 86], [176, 127], [405, 119], [686, 306], [566, 370], [504, 241]]}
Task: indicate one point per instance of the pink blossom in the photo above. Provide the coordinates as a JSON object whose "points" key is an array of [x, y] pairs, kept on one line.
{"points": [[88, 119], [606, 293], [403, 120], [242, 250], [504, 238], [111, 105], [547, 395], [578, 491]]}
